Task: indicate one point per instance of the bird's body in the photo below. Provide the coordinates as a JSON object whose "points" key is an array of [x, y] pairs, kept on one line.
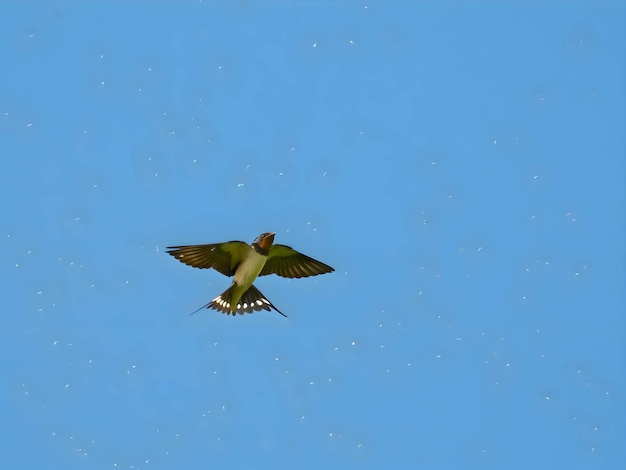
{"points": [[247, 262], [249, 269], [245, 274]]}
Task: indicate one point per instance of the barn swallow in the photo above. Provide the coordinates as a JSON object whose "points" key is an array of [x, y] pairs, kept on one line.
{"points": [[246, 262]]}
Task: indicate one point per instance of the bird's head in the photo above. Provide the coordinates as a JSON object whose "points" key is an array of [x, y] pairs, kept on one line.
{"points": [[264, 241]]}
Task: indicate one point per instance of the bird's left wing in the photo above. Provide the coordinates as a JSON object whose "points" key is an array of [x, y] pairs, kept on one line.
{"points": [[287, 262], [223, 257]]}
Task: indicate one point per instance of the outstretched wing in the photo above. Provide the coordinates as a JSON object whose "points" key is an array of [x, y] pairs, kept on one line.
{"points": [[223, 257], [287, 262]]}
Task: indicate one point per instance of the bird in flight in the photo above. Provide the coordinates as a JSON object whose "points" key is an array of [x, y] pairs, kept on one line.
{"points": [[246, 262]]}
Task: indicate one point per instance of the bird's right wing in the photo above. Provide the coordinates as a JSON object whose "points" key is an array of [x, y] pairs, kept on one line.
{"points": [[223, 257]]}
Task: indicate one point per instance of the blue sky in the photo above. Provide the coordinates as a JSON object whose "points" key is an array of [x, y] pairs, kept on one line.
{"points": [[461, 166]]}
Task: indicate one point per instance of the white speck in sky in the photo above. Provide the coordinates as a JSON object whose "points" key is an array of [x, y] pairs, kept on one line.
{"points": [[314, 44]]}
